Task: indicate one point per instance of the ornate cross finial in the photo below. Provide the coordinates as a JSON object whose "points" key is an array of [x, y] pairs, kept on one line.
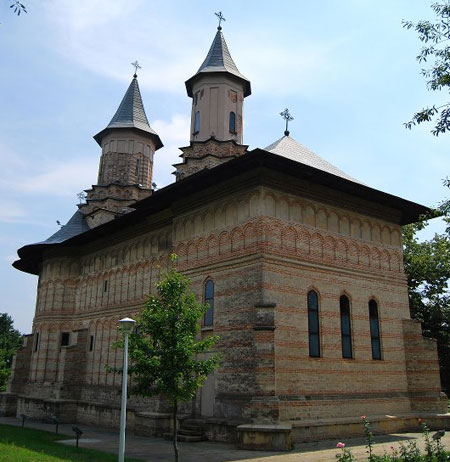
{"points": [[136, 67], [221, 18], [81, 197], [287, 117]]}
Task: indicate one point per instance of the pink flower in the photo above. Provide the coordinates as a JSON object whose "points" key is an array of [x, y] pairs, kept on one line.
{"points": [[419, 420], [363, 417], [340, 445], [392, 447]]}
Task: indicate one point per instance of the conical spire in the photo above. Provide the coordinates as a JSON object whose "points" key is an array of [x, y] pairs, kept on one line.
{"points": [[131, 114], [219, 59]]}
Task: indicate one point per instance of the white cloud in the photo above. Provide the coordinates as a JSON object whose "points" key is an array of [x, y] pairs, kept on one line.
{"points": [[174, 134], [22, 177], [80, 16], [282, 68], [104, 36], [62, 179], [11, 212]]}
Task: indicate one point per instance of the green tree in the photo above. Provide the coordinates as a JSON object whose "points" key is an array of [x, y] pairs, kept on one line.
{"points": [[427, 267], [10, 342], [435, 35], [165, 351]]}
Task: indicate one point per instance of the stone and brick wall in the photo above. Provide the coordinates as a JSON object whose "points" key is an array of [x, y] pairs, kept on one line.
{"points": [[264, 249]]}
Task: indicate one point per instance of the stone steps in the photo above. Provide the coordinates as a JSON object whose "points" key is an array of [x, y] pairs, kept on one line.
{"points": [[185, 438], [190, 431]]}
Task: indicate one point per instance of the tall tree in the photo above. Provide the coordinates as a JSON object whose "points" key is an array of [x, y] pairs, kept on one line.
{"points": [[10, 342], [166, 349], [435, 35], [427, 266]]}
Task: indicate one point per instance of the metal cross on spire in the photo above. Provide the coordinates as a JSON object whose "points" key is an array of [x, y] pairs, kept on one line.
{"points": [[287, 117], [221, 18], [136, 67], [81, 197]]}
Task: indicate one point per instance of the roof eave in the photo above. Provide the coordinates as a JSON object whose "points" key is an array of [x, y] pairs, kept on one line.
{"points": [[155, 137], [190, 82], [31, 255]]}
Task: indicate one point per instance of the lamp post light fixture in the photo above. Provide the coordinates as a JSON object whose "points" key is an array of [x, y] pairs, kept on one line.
{"points": [[126, 325]]}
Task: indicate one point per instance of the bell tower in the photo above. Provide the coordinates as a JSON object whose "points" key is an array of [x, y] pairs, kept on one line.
{"points": [[126, 164], [217, 90]]}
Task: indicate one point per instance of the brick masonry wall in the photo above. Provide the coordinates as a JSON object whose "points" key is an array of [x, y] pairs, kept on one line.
{"points": [[264, 250]]}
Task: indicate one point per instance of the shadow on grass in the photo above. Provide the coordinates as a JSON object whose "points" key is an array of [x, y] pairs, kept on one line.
{"points": [[29, 445]]}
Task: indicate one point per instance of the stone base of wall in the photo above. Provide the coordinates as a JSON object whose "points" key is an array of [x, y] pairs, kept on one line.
{"points": [[44, 409], [152, 423], [277, 436], [223, 430], [103, 415], [265, 437], [8, 404], [307, 431]]}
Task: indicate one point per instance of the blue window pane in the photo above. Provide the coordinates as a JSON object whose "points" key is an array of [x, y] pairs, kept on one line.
{"points": [[347, 347], [232, 124], [197, 122], [346, 328], [345, 325], [209, 290], [208, 319], [312, 300], [313, 324], [314, 346], [376, 348], [374, 329]]}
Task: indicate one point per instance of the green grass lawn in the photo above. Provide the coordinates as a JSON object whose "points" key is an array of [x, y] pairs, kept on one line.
{"points": [[27, 445]]}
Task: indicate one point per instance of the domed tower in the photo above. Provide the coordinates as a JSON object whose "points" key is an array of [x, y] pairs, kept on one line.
{"points": [[217, 90], [126, 165]]}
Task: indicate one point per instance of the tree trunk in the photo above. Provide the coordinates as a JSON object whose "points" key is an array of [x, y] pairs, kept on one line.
{"points": [[175, 429]]}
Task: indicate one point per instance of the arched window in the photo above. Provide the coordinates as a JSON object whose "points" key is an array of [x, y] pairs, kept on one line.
{"points": [[374, 330], [208, 318], [313, 324], [232, 123], [197, 122], [137, 168], [346, 328]]}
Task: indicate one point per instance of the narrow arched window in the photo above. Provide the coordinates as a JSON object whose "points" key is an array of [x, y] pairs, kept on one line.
{"points": [[232, 123], [313, 324], [374, 330], [137, 168], [197, 122], [346, 329], [208, 318]]}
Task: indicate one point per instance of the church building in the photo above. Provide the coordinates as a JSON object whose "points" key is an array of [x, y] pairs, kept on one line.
{"points": [[301, 265]]}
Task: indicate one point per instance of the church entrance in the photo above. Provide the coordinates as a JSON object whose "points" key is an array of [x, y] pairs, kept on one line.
{"points": [[207, 397]]}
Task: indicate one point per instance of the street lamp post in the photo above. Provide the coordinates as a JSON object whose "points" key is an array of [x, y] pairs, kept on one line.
{"points": [[126, 324]]}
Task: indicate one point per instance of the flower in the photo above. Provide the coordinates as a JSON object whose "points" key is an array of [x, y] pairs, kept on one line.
{"points": [[363, 417], [419, 420], [392, 447], [340, 445]]}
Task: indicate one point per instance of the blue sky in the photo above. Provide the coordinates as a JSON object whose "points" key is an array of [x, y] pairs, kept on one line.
{"points": [[345, 68]]}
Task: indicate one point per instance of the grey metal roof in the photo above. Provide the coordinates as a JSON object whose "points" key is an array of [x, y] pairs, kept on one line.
{"points": [[219, 59], [76, 225], [131, 114], [291, 149]]}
